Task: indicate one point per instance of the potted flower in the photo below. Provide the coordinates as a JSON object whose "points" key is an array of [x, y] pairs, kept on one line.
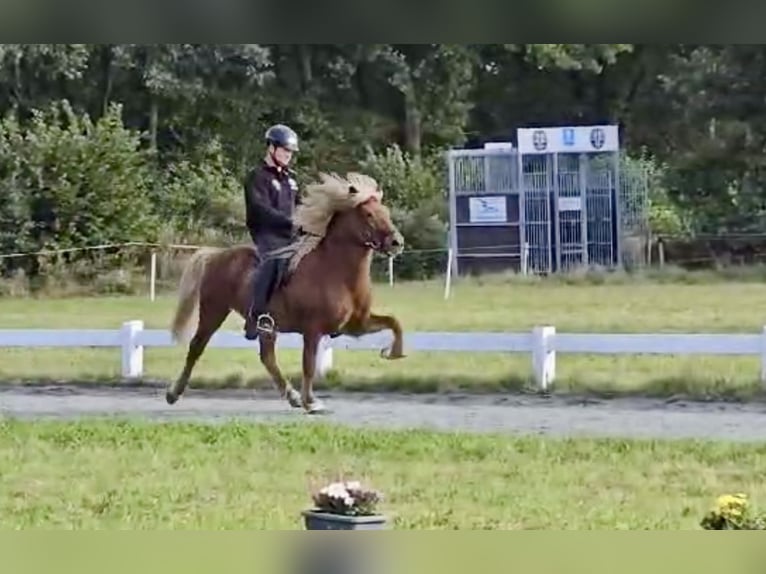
{"points": [[345, 506]]}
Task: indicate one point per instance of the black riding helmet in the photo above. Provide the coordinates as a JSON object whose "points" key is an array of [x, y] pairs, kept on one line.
{"points": [[280, 135]]}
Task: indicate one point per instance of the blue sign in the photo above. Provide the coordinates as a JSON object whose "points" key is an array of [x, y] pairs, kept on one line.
{"points": [[568, 136]]}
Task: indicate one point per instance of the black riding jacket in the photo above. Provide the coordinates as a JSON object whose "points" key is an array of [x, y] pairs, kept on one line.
{"points": [[270, 198]]}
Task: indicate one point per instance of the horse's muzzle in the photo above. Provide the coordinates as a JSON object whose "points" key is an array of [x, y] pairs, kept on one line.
{"points": [[390, 245], [394, 244]]}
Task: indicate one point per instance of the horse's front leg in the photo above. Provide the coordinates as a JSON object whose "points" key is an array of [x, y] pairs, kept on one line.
{"points": [[376, 323], [310, 346]]}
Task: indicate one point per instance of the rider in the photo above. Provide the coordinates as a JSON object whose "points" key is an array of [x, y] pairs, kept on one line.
{"points": [[271, 194]]}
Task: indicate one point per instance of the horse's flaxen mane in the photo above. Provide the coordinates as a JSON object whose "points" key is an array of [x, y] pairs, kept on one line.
{"points": [[331, 195], [324, 199]]}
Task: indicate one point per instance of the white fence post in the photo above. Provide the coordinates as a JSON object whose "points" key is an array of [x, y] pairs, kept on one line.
{"points": [[153, 276], [132, 352], [323, 358], [525, 258], [763, 357], [448, 275], [544, 356]]}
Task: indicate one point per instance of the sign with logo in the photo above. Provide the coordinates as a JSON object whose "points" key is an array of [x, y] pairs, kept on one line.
{"points": [[568, 139], [488, 209]]}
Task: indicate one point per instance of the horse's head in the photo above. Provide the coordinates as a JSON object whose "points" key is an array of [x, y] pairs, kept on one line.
{"points": [[370, 224], [350, 210]]}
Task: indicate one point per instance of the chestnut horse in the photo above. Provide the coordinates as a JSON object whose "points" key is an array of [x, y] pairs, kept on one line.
{"points": [[327, 289]]}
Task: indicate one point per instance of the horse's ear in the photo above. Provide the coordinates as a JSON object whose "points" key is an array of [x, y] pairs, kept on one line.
{"points": [[352, 190]]}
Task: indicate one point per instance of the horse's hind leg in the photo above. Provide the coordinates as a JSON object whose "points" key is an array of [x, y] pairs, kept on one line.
{"points": [[210, 319], [268, 356]]}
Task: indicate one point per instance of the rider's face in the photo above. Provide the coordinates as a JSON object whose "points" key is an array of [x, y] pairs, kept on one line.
{"points": [[283, 156]]}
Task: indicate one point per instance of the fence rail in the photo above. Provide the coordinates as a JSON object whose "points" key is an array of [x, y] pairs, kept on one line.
{"points": [[542, 344]]}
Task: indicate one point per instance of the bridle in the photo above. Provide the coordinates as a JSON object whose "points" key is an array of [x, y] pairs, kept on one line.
{"points": [[368, 241]]}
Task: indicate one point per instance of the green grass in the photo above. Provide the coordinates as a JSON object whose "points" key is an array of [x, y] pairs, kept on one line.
{"points": [[494, 304], [132, 475]]}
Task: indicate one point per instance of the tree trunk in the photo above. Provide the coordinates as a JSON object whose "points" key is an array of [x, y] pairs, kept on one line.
{"points": [[107, 77], [306, 68], [154, 114], [412, 124]]}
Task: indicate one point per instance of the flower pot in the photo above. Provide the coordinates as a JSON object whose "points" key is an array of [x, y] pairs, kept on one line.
{"points": [[318, 520]]}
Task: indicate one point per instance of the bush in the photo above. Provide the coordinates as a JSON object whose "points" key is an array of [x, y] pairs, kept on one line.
{"points": [[407, 181], [425, 235], [70, 183], [666, 217], [202, 195], [415, 189]]}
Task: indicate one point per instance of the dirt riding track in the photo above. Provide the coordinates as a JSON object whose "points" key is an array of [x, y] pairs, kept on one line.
{"points": [[557, 416]]}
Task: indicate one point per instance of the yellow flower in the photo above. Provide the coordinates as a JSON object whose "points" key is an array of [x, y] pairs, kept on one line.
{"points": [[731, 505]]}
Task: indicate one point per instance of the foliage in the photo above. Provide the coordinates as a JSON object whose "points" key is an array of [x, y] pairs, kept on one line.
{"points": [[415, 187], [202, 194], [588, 57], [73, 183], [407, 180], [665, 216], [733, 512], [178, 125], [425, 234]]}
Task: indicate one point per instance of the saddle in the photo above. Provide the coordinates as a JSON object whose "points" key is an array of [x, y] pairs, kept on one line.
{"points": [[281, 262]]}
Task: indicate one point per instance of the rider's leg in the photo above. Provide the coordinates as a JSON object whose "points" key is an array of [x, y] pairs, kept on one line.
{"points": [[258, 320]]}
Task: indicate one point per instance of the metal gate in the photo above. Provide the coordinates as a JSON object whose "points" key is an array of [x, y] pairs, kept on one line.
{"points": [[571, 231], [582, 165], [556, 203], [484, 210], [537, 232], [600, 209], [584, 213]]}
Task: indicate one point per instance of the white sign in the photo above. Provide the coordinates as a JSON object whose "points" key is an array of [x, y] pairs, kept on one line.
{"points": [[570, 204], [491, 209], [499, 146], [572, 139]]}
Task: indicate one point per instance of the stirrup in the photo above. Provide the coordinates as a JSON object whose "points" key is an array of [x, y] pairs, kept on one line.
{"points": [[265, 323]]}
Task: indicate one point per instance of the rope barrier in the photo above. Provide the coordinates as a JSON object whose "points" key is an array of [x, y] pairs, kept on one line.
{"points": [[173, 246], [69, 250]]}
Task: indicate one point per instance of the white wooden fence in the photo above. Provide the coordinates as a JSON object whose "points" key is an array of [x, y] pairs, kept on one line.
{"points": [[542, 343]]}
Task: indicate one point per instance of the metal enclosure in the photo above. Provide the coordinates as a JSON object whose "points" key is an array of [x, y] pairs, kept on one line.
{"points": [[555, 203]]}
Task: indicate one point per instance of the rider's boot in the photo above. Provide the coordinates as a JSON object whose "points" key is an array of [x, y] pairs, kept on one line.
{"points": [[251, 325], [258, 324], [258, 320]]}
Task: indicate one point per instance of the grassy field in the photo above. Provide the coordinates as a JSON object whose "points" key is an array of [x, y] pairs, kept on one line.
{"points": [[90, 475], [495, 304]]}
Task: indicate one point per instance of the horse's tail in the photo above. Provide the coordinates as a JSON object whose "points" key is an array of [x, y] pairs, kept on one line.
{"points": [[188, 294]]}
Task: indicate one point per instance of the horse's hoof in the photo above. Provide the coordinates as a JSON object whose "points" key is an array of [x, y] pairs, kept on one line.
{"points": [[294, 399], [317, 408], [171, 398], [389, 355]]}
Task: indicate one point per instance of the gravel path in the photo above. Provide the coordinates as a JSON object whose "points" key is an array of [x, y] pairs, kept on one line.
{"points": [[557, 416]]}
